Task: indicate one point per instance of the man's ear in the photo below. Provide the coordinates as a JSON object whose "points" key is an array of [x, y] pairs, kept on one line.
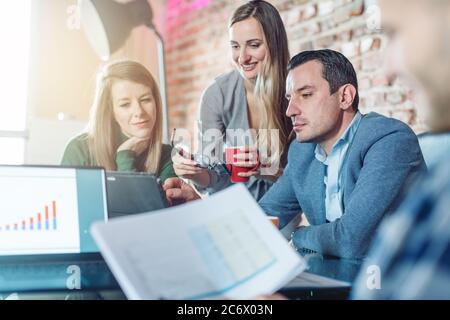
{"points": [[347, 94]]}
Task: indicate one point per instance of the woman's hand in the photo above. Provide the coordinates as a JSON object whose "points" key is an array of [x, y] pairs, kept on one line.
{"points": [[247, 158], [187, 168], [138, 145]]}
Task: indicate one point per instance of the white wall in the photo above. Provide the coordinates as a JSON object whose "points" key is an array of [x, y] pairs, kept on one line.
{"points": [[48, 138], [62, 75]]}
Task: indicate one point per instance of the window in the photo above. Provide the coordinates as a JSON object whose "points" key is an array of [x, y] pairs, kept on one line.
{"points": [[15, 29]]}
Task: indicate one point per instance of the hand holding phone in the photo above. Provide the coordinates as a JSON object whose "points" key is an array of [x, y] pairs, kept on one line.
{"points": [[186, 167], [190, 166]]}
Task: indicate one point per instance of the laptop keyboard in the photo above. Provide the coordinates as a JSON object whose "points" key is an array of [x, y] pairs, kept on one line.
{"points": [[51, 276]]}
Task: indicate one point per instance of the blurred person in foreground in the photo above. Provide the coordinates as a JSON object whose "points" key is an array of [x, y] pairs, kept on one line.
{"points": [[412, 249], [410, 256]]}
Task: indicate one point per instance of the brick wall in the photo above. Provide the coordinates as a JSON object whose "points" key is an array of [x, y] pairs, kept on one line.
{"points": [[197, 51]]}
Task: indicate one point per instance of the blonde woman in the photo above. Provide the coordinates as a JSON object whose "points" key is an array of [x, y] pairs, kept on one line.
{"points": [[248, 98], [125, 129]]}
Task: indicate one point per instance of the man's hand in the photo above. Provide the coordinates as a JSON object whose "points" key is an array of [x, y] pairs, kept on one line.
{"points": [[178, 191]]}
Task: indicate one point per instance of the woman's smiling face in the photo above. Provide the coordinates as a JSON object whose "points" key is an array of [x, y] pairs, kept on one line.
{"points": [[134, 108]]}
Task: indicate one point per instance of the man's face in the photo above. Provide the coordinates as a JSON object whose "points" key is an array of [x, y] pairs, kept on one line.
{"points": [[316, 115], [420, 47]]}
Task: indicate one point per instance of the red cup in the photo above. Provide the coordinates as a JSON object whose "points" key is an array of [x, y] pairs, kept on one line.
{"points": [[230, 152]]}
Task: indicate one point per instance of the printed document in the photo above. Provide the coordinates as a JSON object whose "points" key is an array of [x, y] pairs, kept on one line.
{"points": [[221, 247]]}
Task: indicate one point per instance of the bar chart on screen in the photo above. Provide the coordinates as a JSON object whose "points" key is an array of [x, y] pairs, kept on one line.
{"points": [[39, 214], [40, 222]]}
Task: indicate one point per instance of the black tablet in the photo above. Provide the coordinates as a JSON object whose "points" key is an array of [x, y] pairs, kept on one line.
{"points": [[132, 193]]}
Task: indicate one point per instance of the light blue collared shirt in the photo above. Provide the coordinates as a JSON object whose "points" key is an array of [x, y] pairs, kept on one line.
{"points": [[334, 164]]}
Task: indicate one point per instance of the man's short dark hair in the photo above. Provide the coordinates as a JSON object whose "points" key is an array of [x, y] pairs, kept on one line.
{"points": [[337, 70]]}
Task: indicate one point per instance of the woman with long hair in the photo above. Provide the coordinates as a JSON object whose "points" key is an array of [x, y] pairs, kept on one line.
{"points": [[248, 99], [125, 128]]}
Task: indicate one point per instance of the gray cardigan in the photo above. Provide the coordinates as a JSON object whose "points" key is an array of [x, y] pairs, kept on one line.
{"points": [[224, 106], [384, 158]]}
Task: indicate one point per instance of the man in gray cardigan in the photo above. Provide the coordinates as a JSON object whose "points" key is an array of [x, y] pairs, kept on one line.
{"points": [[347, 170]]}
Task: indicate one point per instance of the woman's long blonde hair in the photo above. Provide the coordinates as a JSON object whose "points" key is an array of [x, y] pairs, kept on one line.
{"points": [[104, 134], [270, 84]]}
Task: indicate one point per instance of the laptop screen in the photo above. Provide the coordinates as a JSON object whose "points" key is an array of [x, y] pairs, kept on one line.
{"points": [[49, 210]]}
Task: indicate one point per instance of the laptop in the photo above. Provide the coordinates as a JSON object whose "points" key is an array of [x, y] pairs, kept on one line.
{"points": [[45, 243], [132, 193]]}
